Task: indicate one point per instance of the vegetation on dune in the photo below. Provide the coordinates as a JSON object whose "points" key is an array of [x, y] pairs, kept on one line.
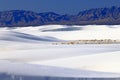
{"points": [[95, 41]]}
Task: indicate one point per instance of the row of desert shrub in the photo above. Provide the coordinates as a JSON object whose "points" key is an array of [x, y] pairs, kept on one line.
{"points": [[95, 41]]}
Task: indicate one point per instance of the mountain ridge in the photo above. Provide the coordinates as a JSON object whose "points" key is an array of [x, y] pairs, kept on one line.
{"points": [[95, 16]]}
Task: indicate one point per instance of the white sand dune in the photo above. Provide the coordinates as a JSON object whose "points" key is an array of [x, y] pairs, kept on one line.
{"points": [[82, 32], [43, 52], [105, 62], [29, 51], [40, 70], [22, 37]]}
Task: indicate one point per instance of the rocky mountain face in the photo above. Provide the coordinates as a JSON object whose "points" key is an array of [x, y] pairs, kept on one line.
{"points": [[98, 16]]}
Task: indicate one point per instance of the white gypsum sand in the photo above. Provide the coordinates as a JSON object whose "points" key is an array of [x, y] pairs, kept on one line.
{"points": [[32, 46], [24, 69]]}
